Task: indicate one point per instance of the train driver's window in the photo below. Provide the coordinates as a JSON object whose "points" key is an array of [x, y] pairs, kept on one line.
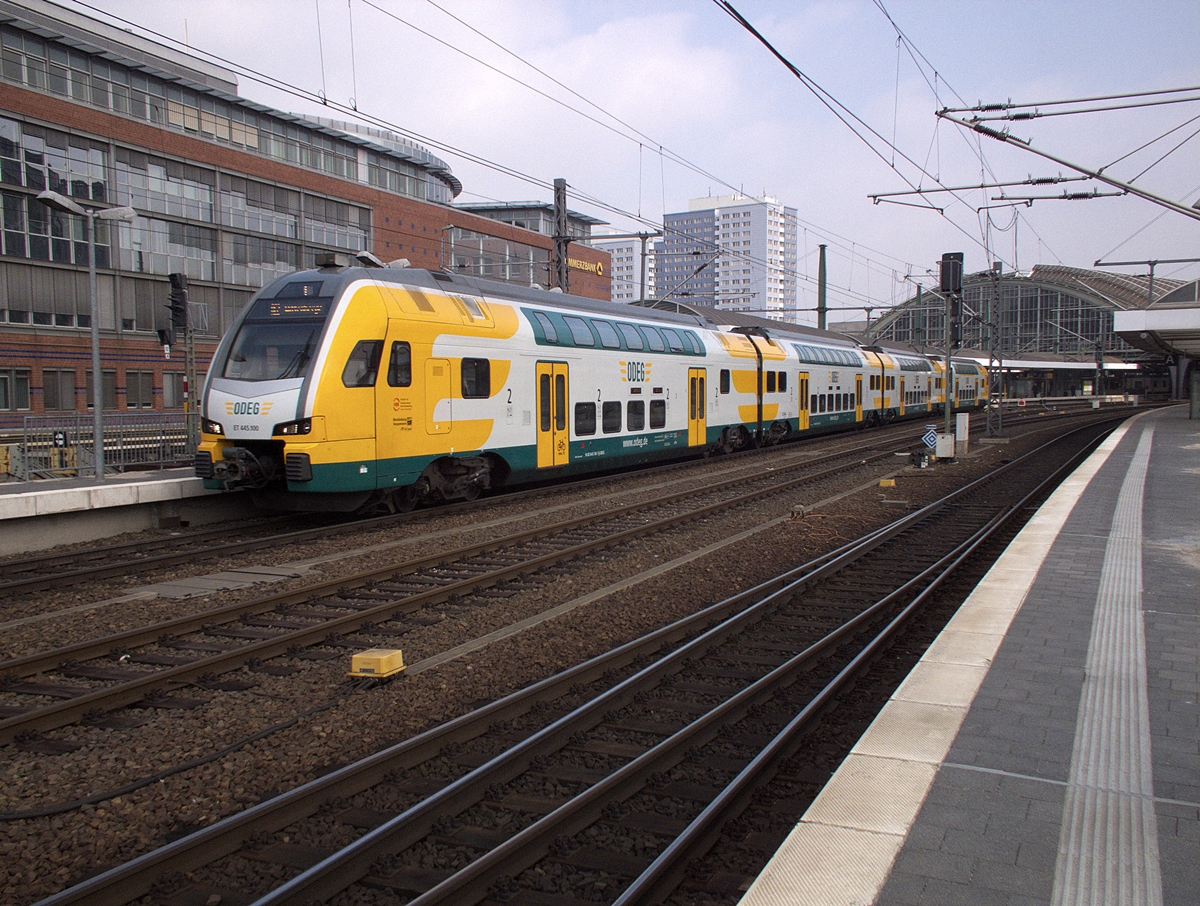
{"points": [[724, 380], [363, 364], [400, 365], [635, 415], [476, 379], [585, 419]]}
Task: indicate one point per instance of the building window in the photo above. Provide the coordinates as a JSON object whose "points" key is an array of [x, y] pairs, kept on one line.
{"points": [[260, 207], [164, 186], [173, 395], [14, 389], [139, 390], [150, 246], [110, 389], [58, 391], [336, 224], [256, 261]]}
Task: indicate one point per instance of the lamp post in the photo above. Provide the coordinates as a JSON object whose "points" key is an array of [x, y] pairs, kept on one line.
{"points": [[62, 203]]}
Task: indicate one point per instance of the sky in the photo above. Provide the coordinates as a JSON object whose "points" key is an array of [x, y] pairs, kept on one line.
{"points": [[642, 106]]}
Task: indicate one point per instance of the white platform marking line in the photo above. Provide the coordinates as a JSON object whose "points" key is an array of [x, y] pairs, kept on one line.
{"points": [[1108, 847]]}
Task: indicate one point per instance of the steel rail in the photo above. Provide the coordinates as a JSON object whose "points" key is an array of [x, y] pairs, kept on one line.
{"points": [[159, 561], [125, 883], [70, 710], [336, 872], [661, 877]]}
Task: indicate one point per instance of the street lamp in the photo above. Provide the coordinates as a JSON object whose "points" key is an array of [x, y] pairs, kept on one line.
{"points": [[57, 202]]}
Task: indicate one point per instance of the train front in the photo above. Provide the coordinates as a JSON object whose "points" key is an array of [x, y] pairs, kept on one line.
{"points": [[255, 397]]}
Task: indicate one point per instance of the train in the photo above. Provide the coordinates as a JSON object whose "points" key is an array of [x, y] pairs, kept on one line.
{"points": [[374, 388]]}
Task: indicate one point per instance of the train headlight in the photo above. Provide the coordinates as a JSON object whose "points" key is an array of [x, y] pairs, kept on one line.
{"points": [[207, 426], [301, 426]]}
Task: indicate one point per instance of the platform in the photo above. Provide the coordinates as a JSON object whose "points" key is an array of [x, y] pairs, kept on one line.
{"points": [[1047, 747], [35, 515]]}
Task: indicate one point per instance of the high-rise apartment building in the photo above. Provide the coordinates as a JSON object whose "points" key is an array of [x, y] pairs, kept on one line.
{"points": [[626, 268], [732, 252]]}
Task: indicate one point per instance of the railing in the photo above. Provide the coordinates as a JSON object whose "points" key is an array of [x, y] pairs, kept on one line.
{"points": [[60, 446]]}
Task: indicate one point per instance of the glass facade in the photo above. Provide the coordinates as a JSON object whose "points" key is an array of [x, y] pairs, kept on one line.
{"points": [[45, 65], [480, 255], [1031, 317]]}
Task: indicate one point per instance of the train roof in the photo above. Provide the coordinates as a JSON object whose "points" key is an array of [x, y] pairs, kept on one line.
{"points": [[338, 278]]}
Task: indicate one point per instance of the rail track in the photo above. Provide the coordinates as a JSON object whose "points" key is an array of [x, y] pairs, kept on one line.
{"points": [[89, 680], [62, 569], [612, 775], [58, 570]]}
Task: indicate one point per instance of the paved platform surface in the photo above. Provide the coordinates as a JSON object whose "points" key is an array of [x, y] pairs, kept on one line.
{"points": [[21, 499], [1047, 748]]}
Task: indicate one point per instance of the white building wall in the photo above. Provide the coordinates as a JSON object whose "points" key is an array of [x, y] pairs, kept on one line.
{"points": [[626, 269]]}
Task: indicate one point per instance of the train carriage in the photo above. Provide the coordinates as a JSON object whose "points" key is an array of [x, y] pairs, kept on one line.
{"points": [[351, 388]]}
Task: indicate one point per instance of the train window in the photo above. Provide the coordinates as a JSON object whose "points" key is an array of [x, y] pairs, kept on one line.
{"points": [[633, 339], [608, 334], [363, 364], [654, 339], [891, 382], [673, 340], [693, 342], [820, 402], [812, 405], [585, 419], [400, 365], [783, 382], [829, 397], [658, 413], [476, 379], [635, 415], [724, 380], [547, 327], [610, 418], [544, 401], [770, 381], [579, 331]]}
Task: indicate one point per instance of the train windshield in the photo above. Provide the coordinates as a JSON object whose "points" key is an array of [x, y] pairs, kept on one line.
{"points": [[278, 340]]}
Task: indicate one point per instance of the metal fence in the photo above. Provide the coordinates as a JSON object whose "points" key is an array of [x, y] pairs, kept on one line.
{"points": [[60, 446]]}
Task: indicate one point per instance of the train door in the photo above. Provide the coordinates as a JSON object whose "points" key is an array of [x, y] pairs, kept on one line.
{"points": [[553, 441], [901, 397], [955, 399], [802, 389], [438, 397], [858, 397], [697, 407]]}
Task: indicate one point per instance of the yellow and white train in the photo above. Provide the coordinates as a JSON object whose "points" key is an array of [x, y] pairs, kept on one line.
{"points": [[350, 388]]}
